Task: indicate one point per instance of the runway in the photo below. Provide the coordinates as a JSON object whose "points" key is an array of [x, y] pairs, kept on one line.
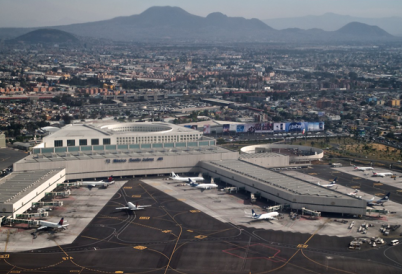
{"points": [[173, 237]]}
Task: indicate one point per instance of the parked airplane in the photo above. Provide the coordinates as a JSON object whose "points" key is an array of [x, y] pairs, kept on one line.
{"points": [[354, 193], [91, 184], [193, 183], [331, 185], [375, 174], [176, 177], [45, 224], [132, 207], [381, 201], [358, 168], [264, 216]]}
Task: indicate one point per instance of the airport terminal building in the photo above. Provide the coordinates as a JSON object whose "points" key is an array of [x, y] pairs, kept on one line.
{"points": [[90, 151], [123, 149]]}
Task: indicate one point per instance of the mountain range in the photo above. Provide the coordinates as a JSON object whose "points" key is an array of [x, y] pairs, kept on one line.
{"points": [[332, 22], [174, 24]]}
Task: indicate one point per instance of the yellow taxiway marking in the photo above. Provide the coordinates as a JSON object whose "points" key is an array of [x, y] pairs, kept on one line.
{"points": [[200, 237], [190, 230], [379, 194], [356, 178], [181, 200], [127, 187], [302, 246], [354, 187], [14, 271], [195, 211], [312, 174], [335, 172], [167, 231], [399, 190], [140, 247], [326, 266], [378, 184], [144, 218], [148, 193], [136, 196], [67, 258], [4, 256], [119, 272], [75, 271]]}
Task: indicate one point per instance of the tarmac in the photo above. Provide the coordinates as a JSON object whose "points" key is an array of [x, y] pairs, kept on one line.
{"points": [[189, 231]]}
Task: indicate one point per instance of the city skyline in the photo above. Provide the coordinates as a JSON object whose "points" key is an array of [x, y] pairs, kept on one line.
{"points": [[37, 13]]}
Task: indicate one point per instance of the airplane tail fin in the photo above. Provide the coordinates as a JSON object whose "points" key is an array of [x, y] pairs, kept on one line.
{"points": [[334, 181], [173, 175], [61, 221], [387, 196], [253, 213], [212, 181]]}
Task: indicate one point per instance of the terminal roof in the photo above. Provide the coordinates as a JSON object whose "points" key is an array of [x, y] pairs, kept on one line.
{"points": [[15, 186], [279, 180]]}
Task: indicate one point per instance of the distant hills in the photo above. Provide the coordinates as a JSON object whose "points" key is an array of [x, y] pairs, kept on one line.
{"points": [[45, 36], [174, 24], [332, 22]]}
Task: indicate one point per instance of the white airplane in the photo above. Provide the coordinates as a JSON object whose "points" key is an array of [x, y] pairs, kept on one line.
{"points": [[133, 207], [264, 216], [45, 224], [375, 174], [331, 185], [176, 177], [358, 168], [381, 201], [91, 184], [354, 193], [193, 183]]}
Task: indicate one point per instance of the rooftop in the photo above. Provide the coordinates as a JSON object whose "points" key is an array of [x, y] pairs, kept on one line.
{"points": [[14, 186], [279, 180], [116, 154]]}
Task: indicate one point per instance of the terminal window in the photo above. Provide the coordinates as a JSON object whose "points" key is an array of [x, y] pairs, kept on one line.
{"points": [[70, 143], [58, 143], [106, 141], [94, 142], [83, 142]]}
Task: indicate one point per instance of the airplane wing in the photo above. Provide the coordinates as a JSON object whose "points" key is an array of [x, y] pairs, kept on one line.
{"points": [[144, 205], [42, 227], [126, 207], [64, 226]]}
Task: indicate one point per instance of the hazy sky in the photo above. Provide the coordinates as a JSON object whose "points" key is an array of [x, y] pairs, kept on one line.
{"points": [[32, 13]]}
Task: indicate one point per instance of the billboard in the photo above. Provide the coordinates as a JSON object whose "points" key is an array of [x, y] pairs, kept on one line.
{"points": [[300, 127], [279, 127], [187, 126], [207, 129], [239, 128], [315, 126], [232, 127], [225, 127]]}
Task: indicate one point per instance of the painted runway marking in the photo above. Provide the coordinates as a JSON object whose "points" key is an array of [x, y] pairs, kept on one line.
{"points": [[378, 184], [136, 196], [200, 237], [302, 246], [4, 256], [355, 187], [145, 218], [195, 211]]}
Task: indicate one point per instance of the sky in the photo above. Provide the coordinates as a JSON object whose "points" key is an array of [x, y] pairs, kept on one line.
{"points": [[34, 13]]}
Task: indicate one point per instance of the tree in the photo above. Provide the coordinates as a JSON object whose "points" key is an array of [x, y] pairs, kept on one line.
{"points": [[67, 119]]}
